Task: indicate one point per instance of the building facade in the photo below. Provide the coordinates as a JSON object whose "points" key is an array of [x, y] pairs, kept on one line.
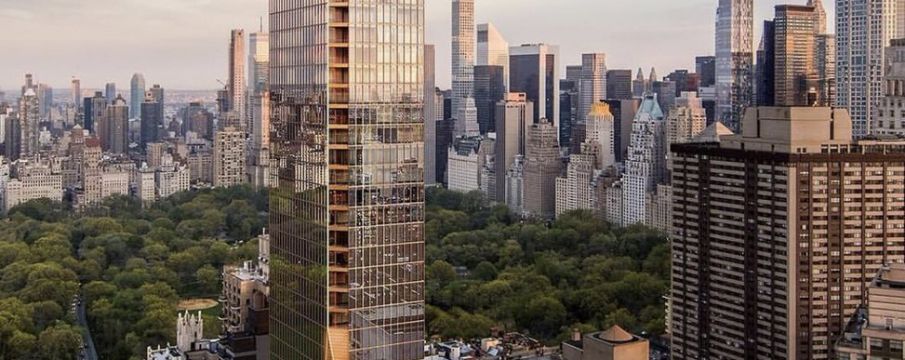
{"points": [[344, 193], [543, 164], [534, 70], [734, 60], [782, 228], [463, 60], [645, 164]]}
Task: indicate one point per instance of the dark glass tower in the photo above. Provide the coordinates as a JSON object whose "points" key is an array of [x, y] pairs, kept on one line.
{"points": [[489, 89], [347, 207]]}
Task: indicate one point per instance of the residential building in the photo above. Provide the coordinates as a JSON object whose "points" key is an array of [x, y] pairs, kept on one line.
{"points": [[781, 227], [514, 117], [76, 91], [734, 60], [432, 113], [229, 157], [32, 181], [534, 70], [29, 118], [515, 186], [864, 29], [115, 137], [624, 112], [236, 86], [888, 119], [463, 60], [645, 165], [543, 164], [465, 161], [877, 330], [328, 198]]}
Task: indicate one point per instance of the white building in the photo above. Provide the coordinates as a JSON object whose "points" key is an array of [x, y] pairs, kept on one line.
{"points": [[645, 166], [863, 32], [464, 165], [172, 179], [889, 119], [515, 185], [145, 185], [33, 181]]}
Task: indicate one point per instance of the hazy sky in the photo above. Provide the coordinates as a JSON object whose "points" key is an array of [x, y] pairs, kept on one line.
{"points": [[182, 44]]}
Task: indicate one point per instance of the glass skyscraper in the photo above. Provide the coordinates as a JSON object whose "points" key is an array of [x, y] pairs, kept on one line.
{"points": [[734, 60], [347, 208]]}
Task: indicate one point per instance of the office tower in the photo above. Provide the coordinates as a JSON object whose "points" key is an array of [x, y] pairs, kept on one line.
{"points": [[76, 89], [618, 85], [331, 298], [197, 119], [534, 70], [94, 109], [705, 66], [795, 35], [29, 118], [229, 157], [430, 114], [863, 31], [825, 58], [645, 165], [514, 117], [151, 119], [571, 131], [157, 93], [624, 112], [236, 86], [813, 216], [542, 165], [445, 130], [12, 137], [258, 61], [45, 98], [489, 89], [573, 75], [666, 93], [876, 329], [110, 91], [116, 138], [600, 138], [685, 81], [493, 50], [765, 70], [734, 60], [463, 61], [592, 85], [639, 85], [137, 95], [29, 84]]}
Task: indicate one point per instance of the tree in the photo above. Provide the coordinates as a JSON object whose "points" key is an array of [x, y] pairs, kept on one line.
{"points": [[208, 279], [66, 340]]}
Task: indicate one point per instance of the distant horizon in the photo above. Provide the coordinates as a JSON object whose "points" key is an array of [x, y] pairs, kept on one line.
{"points": [[57, 40]]}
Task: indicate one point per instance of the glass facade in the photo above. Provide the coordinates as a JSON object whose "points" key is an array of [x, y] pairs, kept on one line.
{"points": [[347, 212]]}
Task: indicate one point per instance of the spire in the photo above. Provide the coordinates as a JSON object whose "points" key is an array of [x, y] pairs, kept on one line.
{"points": [[653, 75], [640, 76]]}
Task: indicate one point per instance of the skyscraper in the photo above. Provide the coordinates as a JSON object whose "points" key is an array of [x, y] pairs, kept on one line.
{"points": [[618, 85], [137, 95], [888, 120], [229, 157], [542, 165], [645, 166], [734, 60], [863, 31], [639, 85], [430, 114], [151, 119], [514, 116], [592, 87], [534, 70], [493, 49], [463, 60], [29, 117], [332, 297], [110, 92], [76, 90], [116, 136], [705, 66], [489, 88], [781, 227], [258, 60], [258, 116], [765, 71], [796, 40], [236, 84]]}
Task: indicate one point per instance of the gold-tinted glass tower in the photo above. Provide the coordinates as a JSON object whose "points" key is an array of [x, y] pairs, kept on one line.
{"points": [[347, 205]]}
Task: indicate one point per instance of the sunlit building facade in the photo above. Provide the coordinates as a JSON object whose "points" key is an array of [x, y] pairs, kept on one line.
{"points": [[347, 205], [734, 60]]}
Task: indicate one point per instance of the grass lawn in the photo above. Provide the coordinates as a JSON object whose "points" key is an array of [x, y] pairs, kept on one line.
{"points": [[210, 312]]}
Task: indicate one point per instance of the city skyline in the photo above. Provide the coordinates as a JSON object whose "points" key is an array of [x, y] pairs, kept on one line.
{"points": [[195, 60]]}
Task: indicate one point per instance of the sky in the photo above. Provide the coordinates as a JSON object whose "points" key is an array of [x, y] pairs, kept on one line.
{"points": [[182, 44]]}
